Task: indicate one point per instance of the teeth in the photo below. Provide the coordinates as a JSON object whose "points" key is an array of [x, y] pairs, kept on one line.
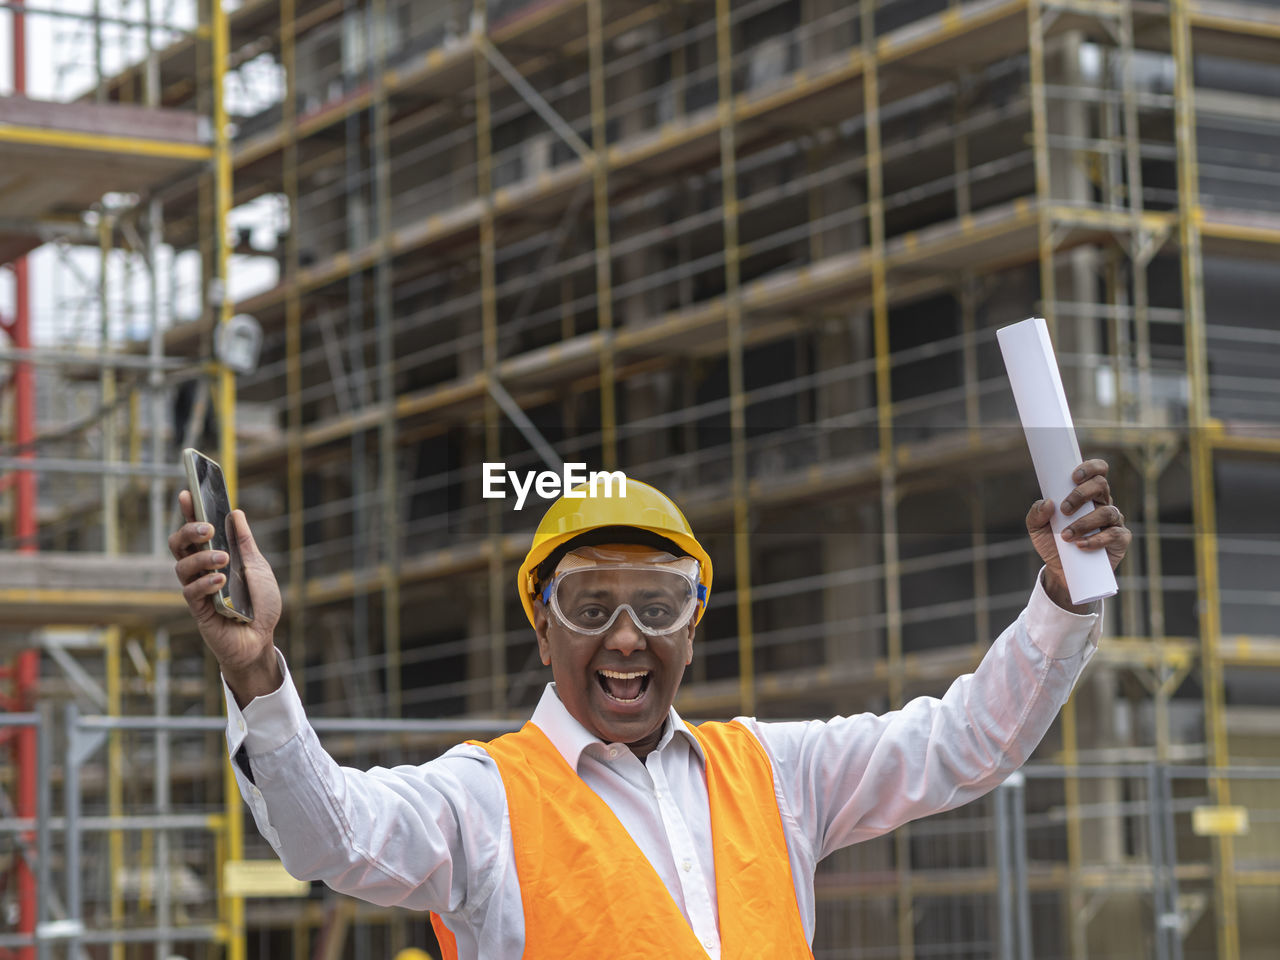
{"points": [[619, 675]]}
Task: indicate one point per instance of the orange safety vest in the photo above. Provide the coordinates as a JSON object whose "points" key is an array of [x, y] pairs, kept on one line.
{"points": [[587, 889]]}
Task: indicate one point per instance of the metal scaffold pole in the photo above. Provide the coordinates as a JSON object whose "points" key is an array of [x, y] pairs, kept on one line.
{"points": [[27, 768], [44, 814], [385, 325], [115, 786], [1155, 457], [1036, 27], [159, 637], [1038, 21], [357, 221], [734, 348], [489, 330], [294, 494], [599, 162], [19, 329], [26, 670], [1202, 485], [232, 846], [887, 459], [111, 545]]}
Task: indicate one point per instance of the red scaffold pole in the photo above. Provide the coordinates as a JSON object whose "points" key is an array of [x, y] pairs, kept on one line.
{"points": [[26, 672]]}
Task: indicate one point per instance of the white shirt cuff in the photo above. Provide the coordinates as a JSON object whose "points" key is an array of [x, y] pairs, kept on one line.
{"points": [[267, 722], [1058, 633]]}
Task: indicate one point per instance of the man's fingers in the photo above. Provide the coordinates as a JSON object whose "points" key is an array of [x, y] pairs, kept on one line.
{"points": [[1102, 517], [188, 508], [1091, 485], [1110, 537], [1090, 468], [1095, 490], [199, 564], [188, 537], [196, 591], [1107, 516]]}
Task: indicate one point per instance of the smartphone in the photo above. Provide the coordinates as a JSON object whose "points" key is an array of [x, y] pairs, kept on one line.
{"points": [[209, 498]]}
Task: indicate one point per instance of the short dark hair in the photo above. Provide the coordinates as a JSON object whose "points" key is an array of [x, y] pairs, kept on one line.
{"points": [[602, 535]]}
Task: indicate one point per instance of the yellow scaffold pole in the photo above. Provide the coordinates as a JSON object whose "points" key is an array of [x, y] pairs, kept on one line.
{"points": [[1206, 541], [225, 394]]}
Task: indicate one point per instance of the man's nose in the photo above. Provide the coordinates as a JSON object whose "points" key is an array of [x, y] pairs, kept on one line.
{"points": [[625, 636]]}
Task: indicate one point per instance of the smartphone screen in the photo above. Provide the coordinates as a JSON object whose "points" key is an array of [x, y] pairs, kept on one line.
{"points": [[217, 511]]}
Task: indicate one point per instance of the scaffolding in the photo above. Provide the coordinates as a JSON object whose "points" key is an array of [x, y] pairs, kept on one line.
{"points": [[754, 252]]}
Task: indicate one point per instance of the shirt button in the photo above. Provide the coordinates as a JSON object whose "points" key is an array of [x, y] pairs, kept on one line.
{"points": [[686, 865], [613, 753], [240, 723], [657, 794]]}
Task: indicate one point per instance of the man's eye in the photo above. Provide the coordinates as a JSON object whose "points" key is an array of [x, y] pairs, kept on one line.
{"points": [[656, 611], [593, 612]]}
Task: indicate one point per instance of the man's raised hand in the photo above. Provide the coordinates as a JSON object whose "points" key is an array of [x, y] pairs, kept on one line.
{"points": [[1107, 520], [245, 651]]}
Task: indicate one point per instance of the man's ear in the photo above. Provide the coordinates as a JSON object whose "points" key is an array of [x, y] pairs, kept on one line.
{"points": [[540, 624], [688, 653]]}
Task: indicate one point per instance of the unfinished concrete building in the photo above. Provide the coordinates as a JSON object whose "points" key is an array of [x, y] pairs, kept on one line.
{"points": [[755, 253]]}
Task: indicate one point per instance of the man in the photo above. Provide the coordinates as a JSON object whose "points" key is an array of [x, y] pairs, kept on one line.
{"points": [[607, 826]]}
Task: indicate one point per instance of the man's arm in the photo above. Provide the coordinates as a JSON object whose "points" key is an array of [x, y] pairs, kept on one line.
{"points": [[853, 778], [411, 836]]}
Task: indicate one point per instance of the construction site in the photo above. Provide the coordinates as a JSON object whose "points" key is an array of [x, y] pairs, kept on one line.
{"points": [[752, 252]]}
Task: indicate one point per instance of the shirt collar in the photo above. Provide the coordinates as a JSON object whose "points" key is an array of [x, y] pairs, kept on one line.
{"points": [[571, 738]]}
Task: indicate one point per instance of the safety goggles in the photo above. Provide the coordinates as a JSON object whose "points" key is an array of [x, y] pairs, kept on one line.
{"points": [[592, 586]]}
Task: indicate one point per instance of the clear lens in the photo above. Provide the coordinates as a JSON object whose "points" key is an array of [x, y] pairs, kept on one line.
{"points": [[590, 599]]}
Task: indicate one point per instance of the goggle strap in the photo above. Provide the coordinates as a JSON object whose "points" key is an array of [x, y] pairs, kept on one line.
{"points": [[546, 592]]}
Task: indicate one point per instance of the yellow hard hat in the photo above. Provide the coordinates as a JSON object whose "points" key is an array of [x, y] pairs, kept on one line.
{"points": [[643, 507]]}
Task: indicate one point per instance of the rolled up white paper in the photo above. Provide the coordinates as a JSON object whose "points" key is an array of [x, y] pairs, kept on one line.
{"points": [[1055, 452]]}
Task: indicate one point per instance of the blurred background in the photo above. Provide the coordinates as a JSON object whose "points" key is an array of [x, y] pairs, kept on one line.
{"points": [[753, 252]]}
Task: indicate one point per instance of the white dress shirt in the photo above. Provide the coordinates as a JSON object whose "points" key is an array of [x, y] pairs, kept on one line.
{"points": [[438, 836]]}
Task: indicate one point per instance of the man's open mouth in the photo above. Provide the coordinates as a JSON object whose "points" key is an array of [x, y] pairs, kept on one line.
{"points": [[624, 686]]}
